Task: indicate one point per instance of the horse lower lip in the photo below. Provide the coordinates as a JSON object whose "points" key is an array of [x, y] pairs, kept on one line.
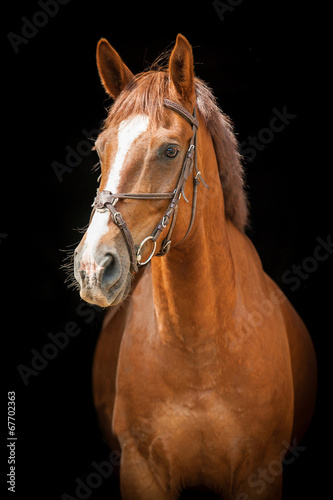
{"points": [[96, 296], [92, 291], [89, 296], [119, 293], [115, 297]]}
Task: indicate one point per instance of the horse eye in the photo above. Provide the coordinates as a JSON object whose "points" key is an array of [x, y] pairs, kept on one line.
{"points": [[171, 152]]}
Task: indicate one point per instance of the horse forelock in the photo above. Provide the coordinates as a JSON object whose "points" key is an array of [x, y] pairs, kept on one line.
{"points": [[145, 94]]}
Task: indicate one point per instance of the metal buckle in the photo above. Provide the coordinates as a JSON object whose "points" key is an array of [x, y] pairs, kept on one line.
{"points": [[190, 151], [138, 254], [118, 218], [166, 247], [165, 221], [199, 178]]}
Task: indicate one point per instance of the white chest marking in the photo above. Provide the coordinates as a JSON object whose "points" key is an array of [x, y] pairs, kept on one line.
{"points": [[128, 131]]}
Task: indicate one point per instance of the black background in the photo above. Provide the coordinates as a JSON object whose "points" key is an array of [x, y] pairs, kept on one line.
{"points": [[261, 56]]}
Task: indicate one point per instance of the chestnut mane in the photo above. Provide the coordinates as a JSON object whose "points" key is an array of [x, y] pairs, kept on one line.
{"points": [[145, 94]]}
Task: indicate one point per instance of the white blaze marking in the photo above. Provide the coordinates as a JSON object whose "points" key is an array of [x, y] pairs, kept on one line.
{"points": [[128, 131]]}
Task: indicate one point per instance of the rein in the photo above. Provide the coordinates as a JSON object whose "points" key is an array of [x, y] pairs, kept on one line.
{"points": [[105, 200]]}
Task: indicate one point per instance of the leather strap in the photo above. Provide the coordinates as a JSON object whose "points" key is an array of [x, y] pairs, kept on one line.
{"points": [[181, 111], [106, 200], [143, 196]]}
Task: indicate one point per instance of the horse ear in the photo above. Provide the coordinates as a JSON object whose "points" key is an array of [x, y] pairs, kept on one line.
{"points": [[181, 69], [113, 72]]}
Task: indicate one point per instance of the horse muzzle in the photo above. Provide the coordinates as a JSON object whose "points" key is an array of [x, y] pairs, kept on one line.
{"points": [[100, 276]]}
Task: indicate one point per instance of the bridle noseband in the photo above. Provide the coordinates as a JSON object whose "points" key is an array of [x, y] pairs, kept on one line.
{"points": [[105, 200]]}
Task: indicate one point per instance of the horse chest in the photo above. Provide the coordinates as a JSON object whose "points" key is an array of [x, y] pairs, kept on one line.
{"points": [[198, 419], [189, 439], [191, 406]]}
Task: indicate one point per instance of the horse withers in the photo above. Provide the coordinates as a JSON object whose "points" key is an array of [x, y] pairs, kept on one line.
{"points": [[203, 372]]}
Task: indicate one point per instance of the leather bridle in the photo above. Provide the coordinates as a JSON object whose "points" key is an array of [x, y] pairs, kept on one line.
{"points": [[105, 200]]}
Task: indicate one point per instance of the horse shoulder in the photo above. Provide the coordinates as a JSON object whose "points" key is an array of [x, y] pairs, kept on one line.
{"points": [[304, 369], [268, 307]]}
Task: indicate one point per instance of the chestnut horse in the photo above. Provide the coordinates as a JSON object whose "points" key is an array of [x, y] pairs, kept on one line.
{"points": [[206, 373]]}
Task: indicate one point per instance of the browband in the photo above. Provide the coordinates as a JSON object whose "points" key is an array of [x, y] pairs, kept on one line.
{"points": [[182, 112]]}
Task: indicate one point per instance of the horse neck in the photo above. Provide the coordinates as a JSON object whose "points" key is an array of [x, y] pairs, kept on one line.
{"points": [[193, 286]]}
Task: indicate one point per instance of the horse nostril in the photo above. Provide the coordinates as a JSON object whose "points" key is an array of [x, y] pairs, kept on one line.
{"points": [[110, 259], [110, 270]]}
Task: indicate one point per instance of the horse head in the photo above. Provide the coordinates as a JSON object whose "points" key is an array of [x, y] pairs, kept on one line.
{"points": [[146, 155]]}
